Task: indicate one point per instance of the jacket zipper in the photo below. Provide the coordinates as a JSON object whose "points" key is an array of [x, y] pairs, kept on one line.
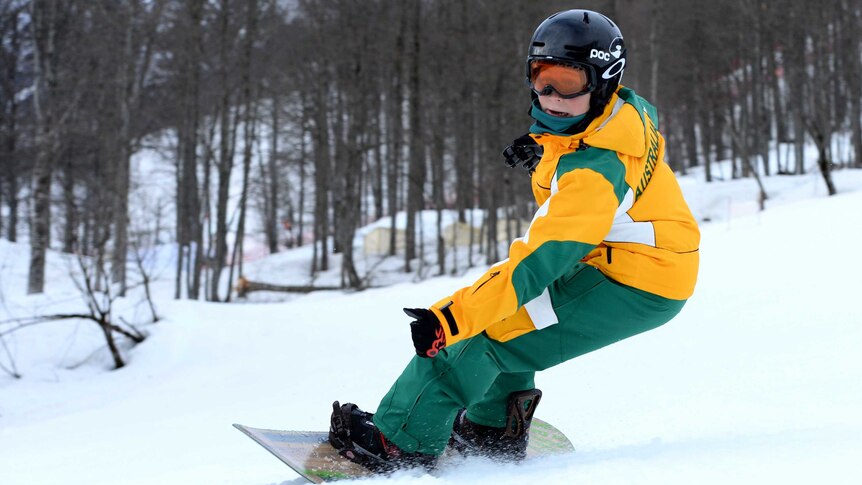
{"points": [[495, 273]]}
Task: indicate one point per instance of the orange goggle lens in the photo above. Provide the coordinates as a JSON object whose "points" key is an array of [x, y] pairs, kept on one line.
{"points": [[567, 81]]}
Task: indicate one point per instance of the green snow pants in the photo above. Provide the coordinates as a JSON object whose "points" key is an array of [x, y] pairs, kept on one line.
{"points": [[479, 373]]}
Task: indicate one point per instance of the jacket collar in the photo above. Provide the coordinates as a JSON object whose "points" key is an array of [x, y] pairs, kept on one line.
{"points": [[621, 127]]}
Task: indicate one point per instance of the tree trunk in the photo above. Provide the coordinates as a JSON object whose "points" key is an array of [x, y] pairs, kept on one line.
{"points": [[853, 74], [121, 208], [244, 287], [249, 134], [779, 114], [321, 179], [394, 127], [351, 153], [347, 204], [798, 137], [337, 113], [690, 140], [706, 132], [377, 178], [272, 205], [125, 99], [12, 199], [303, 152], [824, 163], [11, 109], [654, 50], [739, 142], [416, 170], [188, 188], [226, 152], [438, 182], [759, 116], [464, 153], [856, 129], [44, 24], [393, 165], [249, 130], [70, 226], [180, 228]]}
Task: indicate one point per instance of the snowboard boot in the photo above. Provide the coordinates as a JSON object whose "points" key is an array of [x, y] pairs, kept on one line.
{"points": [[508, 443], [353, 433]]}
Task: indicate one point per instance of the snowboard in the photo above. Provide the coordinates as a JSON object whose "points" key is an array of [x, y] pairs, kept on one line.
{"points": [[310, 454]]}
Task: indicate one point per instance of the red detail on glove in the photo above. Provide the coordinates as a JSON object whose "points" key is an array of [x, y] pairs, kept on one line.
{"points": [[437, 344]]}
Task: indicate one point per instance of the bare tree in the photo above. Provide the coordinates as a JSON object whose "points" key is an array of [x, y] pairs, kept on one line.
{"points": [[416, 162], [411, 111], [46, 24], [140, 21], [189, 228], [10, 55], [99, 307], [851, 18], [227, 137], [250, 120], [817, 118]]}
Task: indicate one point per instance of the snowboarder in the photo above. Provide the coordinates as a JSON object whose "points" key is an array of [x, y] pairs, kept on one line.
{"points": [[611, 252]]}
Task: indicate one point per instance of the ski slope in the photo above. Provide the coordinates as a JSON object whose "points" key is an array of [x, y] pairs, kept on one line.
{"points": [[756, 381]]}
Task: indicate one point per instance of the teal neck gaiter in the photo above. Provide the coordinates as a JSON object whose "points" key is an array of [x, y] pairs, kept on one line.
{"points": [[554, 125]]}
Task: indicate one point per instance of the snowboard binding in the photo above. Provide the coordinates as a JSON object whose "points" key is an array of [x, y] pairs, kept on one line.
{"points": [[339, 431], [522, 406], [352, 432], [507, 443]]}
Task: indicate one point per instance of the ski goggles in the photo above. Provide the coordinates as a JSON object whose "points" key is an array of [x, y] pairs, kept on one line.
{"points": [[568, 81]]}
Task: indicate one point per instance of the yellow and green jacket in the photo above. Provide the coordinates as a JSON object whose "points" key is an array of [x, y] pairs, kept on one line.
{"points": [[606, 198]]}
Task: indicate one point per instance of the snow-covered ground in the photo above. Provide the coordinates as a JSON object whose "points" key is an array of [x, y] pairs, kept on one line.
{"points": [[757, 381]]}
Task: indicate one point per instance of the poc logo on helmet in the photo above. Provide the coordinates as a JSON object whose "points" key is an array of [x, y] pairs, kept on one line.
{"points": [[615, 50], [597, 54]]}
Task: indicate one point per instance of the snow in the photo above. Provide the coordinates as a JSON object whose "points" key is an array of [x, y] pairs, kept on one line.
{"points": [[756, 381]]}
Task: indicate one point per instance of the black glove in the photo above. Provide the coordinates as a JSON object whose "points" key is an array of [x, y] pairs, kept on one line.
{"points": [[525, 152], [427, 333]]}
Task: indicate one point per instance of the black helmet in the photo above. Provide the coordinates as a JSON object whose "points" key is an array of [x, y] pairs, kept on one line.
{"points": [[588, 40]]}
